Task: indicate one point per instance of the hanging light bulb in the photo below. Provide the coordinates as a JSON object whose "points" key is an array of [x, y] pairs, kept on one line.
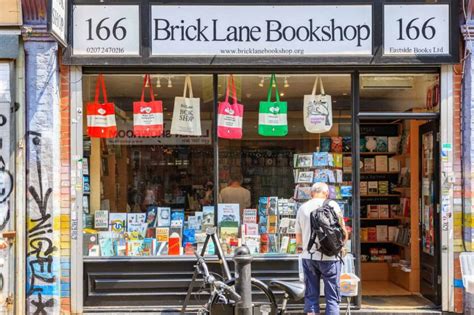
{"points": [[158, 82], [274, 84], [170, 84], [261, 83], [286, 83]]}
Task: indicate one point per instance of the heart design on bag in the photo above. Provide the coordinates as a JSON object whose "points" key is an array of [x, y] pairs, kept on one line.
{"points": [[274, 110], [229, 111], [101, 111], [146, 110]]}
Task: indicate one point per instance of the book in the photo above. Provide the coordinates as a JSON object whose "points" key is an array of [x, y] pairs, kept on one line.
{"points": [[120, 247], [101, 219], [272, 206], [136, 222], [363, 188], [382, 144], [331, 176], [164, 217], [88, 221], [381, 163], [304, 177], [393, 144], [199, 218], [373, 187], [395, 211], [369, 165], [174, 244], [250, 229], [320, 159], [392, 233], [384, 211], [161, 248], [94, 251], [304, 160], [229, 230], [272, 224], [347, 164], [363, 144], [177, 215], [151, 216], [228, 212], [284, 225], [303, 192], [188, 237], [338, 160], [364, 234], [117, 223], [393, 165], [162, 234], [208, 216], [264, 246], [383, 187], [336, 144], [193, 223], [373, 212], [150, 233], [346, 191], [320, 176], [382, 233], [272, 243], [346, 144], [292, 226], [325, 145], [332, 192], [292, 246], [249, 216], [370, 143], [372, 234], [176, 228], [88, 241], [339, 178], [134, 247], [148, 247], [285, 240], [253, 243]]}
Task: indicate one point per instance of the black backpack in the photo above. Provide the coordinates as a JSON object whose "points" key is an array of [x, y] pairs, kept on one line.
{"points": [[326, 227]]}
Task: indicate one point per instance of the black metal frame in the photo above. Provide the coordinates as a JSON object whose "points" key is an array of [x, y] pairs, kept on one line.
{"points": [[218, 62]]}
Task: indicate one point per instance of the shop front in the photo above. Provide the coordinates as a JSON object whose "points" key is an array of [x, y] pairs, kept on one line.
{"points": [[213, 120]]}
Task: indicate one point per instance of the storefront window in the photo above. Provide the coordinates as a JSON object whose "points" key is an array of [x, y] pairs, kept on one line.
{"points": [[155, 195]]}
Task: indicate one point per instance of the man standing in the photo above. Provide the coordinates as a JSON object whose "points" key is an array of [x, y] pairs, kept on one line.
{"points": [[235, 193], [315, 264]]}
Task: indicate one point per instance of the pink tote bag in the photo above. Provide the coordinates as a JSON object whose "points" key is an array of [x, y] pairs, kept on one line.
{"points": [[230, 116]]}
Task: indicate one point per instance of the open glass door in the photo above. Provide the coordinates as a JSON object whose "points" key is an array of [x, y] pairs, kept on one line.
{"points": [[430, 286]]}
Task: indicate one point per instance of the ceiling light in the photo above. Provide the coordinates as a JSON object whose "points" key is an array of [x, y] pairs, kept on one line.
{"points": [[170, 84], [282, 94], [344, 94], [286, 83], [261, 82], [158, 82]]}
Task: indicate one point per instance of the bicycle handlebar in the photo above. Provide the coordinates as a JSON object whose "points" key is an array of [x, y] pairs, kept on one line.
{"points": [[222, 286]]}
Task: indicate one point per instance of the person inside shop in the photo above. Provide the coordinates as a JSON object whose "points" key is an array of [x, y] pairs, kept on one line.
{"points": [[208, 193], [235, 193], [315, 264]]}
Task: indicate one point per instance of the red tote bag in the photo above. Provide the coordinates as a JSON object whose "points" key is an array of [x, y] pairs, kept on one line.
{"points": [[230, 116], [148, 116], [101, 116]]}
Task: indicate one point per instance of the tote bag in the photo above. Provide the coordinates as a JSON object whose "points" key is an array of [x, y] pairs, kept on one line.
{"points": [[230, 116], [317, 110], [101, 116], [272, 116], [186, 113], [147, 116]]}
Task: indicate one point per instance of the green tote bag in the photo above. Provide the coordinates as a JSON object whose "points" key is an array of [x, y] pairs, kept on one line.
{"points": [[272, 120]]}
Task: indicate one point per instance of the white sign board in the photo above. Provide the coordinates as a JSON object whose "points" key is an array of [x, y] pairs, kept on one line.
{"points": [[125, 136], [106, 30], [416, 29], [261, 30], [57, 22]]}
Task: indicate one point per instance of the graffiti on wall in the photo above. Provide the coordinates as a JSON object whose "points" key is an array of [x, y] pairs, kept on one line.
{"points": [[42, 254]]}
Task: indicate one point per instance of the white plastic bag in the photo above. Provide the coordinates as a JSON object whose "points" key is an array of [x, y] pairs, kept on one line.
{"points": [[317, 110]]}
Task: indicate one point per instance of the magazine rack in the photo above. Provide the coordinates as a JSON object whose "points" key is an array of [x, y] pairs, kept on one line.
{"points": [[210, 236]]}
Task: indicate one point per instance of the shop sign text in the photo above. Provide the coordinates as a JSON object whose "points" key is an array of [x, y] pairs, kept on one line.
{"points": [[265, 30], [416, 29], [57, 20], [106, 30]]}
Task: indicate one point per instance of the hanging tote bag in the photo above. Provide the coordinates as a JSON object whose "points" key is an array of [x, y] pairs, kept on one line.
{"points": [[230, 116], [317, 110], [186, 113], [101, 116], [272, 116], [147, 116]]}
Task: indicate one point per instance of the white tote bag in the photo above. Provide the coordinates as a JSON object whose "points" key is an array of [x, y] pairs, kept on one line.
{"points": [[186, 114], [317, 110]]}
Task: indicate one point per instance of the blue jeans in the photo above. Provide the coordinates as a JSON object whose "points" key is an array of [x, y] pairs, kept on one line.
{"points": [[330, 271]]}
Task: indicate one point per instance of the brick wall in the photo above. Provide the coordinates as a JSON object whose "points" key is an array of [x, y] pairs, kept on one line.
{"points": [[65, 142]]}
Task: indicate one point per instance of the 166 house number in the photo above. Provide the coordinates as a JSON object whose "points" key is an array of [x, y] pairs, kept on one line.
{"points": [[103, 32]]}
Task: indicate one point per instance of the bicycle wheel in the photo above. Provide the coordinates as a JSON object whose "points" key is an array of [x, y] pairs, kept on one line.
{"points": [[262, 296]]}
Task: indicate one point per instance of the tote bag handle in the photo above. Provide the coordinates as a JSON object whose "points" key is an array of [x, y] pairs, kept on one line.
{"points": [[100, 83], [152, 96], [315, 86], [270, 89], [231, 84], [187, 82]]}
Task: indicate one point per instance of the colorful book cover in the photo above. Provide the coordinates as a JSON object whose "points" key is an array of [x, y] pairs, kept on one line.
{"points": [[177, 214], [229, 230], [369, 165], [332, 192], [150, 233], [346, 191], [338, 160], [284, 224], [152, 216], [331, 176], [88, 221], [228, 212], [262, 206], [393, 165], [285, 241], [264, 246], [193, 223], [292, 246], [161, 248], [338, 192], [373, 212], [346, 144], [393, 144], [249, 216], [331, 159], [273, 243], [303, 192], [363, 188], [325, 145], [304, 160], [381, 163], [272, 206], [383, 187], [373, 187], [363, 145], [336, 144], [101, 219], [253, 244], [272, 224], [320, 176], [162, 234], [199, 217], [89, 240], [189, 237], [164, 217], [384, 211], [304, 177], [135, 221], [174, 246], [347, 164], [148, 247], [339, 178], [208, 215], [134, 248], [320, 159], [117, 223], [176, 228], [120, 247]]}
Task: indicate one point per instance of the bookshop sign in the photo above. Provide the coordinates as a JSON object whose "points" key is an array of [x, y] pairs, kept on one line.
{"points": [[338, 32]]}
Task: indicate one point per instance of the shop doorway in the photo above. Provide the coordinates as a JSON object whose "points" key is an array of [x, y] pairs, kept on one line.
{"points": [[430, 284]]}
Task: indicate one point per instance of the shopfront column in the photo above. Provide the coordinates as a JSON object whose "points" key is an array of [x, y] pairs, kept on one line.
{"points": [[43, 263]]}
